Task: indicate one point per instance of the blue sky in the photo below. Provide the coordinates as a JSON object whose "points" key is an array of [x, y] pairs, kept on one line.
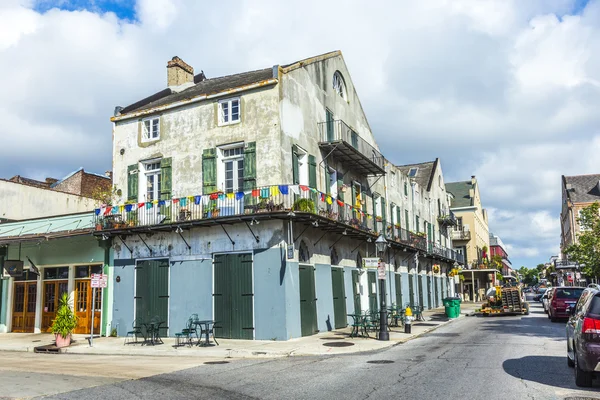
{"points": [[506, 90], [124, 9]]}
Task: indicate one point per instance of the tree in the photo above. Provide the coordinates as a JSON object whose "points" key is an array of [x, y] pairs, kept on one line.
{"points": [[497, 262], [586, 250], [530, 276]]}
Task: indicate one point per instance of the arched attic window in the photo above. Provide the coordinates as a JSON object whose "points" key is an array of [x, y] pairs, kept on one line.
{"points": [[339, 85]]}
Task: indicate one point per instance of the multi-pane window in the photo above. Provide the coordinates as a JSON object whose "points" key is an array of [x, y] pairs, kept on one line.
{"points": [[339, 85], [56, 273], [86, 271], [233, 164], [152, 180], [151, 129], [229, 111]]}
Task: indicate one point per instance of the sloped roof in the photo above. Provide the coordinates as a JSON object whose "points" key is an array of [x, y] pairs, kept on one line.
{"points": [[425, 172], [203, 87], [583, 188], [460, 191]]}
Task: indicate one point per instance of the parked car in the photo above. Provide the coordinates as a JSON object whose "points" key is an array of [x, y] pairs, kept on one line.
{"points": [[538, 297], [561, 299], [583, 337], [545, 298]]}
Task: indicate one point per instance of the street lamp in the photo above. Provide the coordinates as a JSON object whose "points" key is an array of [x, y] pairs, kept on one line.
{"points": [[381, 245]]}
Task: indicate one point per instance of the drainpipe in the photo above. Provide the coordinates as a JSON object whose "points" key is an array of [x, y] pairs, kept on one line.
{"points": [[105, 244]]}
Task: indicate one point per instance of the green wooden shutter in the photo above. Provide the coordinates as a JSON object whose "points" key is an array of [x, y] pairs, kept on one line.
{"points": [[329, 119], [312, 171], [383, 212], [132, 182], [375, 214], [398, 215], [407, 220], [209, 171], [340, 184], [165, 185], [295, 166], [250, 165]]}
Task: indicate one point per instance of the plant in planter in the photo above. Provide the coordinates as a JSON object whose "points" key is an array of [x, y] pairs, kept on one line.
{"points": [[378, 219], [65, 322], [306, 205]]}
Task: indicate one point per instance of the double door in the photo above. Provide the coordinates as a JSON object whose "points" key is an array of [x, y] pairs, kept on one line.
{"points": [[83, 306], [53, 291], [24, 301]]}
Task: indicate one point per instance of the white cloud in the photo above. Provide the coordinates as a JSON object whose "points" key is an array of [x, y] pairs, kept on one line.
{"points": [[504, 89]]}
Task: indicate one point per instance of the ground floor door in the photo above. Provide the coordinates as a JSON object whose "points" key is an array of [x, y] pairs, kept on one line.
{"points": [[52, 293], [233, 296], [372, 280], [429, 292], [339, 297], [24, 300], [398, 282], [308, 301], [152, 292], [356, 292], [83, 306], [420, 286]]}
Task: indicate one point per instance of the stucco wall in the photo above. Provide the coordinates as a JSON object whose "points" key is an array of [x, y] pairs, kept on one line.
{"points": [[23, 202]]}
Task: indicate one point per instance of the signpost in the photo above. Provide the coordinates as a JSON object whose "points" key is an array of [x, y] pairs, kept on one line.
{"points": [[371, 262], [381, 270], [98, 281]]}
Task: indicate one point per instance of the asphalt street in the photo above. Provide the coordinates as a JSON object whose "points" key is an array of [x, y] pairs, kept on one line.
{"points": [[513, 357]]}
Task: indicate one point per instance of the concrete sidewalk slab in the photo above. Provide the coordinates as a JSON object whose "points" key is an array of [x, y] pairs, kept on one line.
{"points": [[324, 343]]}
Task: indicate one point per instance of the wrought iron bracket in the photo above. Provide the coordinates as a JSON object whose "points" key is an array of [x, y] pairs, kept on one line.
{"points": [[125, 244], [315, 243], [145, 244], [334, 243], [353, 250], [298, 237], [178, 230], [230, 239], [252, 232]]}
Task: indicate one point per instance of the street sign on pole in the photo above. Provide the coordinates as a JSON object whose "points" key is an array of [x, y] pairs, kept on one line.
{"points": [[98, 281], [381, 270], [372, 262]]}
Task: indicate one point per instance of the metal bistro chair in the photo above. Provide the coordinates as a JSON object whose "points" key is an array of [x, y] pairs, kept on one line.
{"points": [[186, 333], [134, 333]]}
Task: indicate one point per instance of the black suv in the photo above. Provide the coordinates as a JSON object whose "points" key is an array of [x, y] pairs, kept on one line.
{"points": [[583, 337]]}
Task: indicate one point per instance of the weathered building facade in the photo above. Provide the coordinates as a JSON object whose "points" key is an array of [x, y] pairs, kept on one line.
{"points": [[252, 200]]}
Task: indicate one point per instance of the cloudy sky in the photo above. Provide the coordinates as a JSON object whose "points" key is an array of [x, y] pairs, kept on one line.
{"points": [[505, 90]]}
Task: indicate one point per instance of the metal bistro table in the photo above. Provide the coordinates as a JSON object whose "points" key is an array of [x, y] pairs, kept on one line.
{"points": [[152, 332], [205, 326], [357, 323]]}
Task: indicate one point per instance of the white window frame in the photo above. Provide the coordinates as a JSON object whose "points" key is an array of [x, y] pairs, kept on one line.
{"points": [[222, 159], [229, 104], [146, 134], [151, 168], [339, 85], [302, 166]]}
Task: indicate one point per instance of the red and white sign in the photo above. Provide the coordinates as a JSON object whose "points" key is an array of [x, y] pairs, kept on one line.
{"points": [[381, 270], [99, 280], [570, 277]]}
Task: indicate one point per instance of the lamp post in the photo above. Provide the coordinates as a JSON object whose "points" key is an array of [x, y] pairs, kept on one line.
{"points": [[381, 245]]}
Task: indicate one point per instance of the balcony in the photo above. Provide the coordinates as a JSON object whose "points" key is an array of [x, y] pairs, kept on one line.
{"points": [[461, 234], [262, 203], [341, 142], [447, 219]]}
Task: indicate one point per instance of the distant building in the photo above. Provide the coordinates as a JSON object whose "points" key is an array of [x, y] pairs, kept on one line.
{"points": [[25, 198], [578, 192], [497, 248]]}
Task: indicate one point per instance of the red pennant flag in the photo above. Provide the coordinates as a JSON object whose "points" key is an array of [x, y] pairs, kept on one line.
{"points": [[213, 196], [108, 210], [175, 201], [340, 203], [304, 188], [140, 205], [255, 192]]}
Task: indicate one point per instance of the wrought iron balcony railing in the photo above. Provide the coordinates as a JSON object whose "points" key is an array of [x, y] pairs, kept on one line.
{"points": [[267, 199], [345, 145], [461, 234], [447, 219]]}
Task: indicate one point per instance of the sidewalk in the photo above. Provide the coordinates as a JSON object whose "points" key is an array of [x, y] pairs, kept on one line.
{"points": [[334, 342]]}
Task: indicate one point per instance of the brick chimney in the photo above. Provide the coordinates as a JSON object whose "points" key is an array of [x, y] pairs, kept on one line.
{"points": [[179, 72]]}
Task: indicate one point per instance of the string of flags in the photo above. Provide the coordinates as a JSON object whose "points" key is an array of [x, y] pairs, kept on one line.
{"points": [[262, 193]]}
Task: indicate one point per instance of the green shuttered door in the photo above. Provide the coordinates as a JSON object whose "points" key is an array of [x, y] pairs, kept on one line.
{"points": [[339, 297], [308, 300], [398, 282], [355, 292], [152, 291], [372, 291], [233, 296]]}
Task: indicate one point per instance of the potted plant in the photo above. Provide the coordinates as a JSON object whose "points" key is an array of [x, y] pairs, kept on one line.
{"points": [[306, 205], [65, 322], [378, 218]]}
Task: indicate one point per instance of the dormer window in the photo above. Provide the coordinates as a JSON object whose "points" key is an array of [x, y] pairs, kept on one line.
{"points": [[151, 129], [339, 85], [229, 111]]}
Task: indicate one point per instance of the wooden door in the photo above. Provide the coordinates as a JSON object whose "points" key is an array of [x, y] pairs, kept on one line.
{"points": [[83, 306], [372, 279], [152, 292], [356, 292], [53, 290], [308, 300], [339, 297], [25, 296]]}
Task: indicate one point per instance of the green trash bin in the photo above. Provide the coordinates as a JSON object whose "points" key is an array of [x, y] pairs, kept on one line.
{"points": [[452, 307]]}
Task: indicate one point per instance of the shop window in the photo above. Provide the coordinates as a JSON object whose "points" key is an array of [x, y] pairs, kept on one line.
{"points": [[56, 273], [86, 271]]}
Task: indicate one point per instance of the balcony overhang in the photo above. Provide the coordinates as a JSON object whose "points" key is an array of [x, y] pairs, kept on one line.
{"points": [[347, 154]]}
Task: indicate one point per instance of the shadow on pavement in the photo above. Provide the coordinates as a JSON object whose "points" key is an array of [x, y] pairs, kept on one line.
{"points": [[547, 370]]}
